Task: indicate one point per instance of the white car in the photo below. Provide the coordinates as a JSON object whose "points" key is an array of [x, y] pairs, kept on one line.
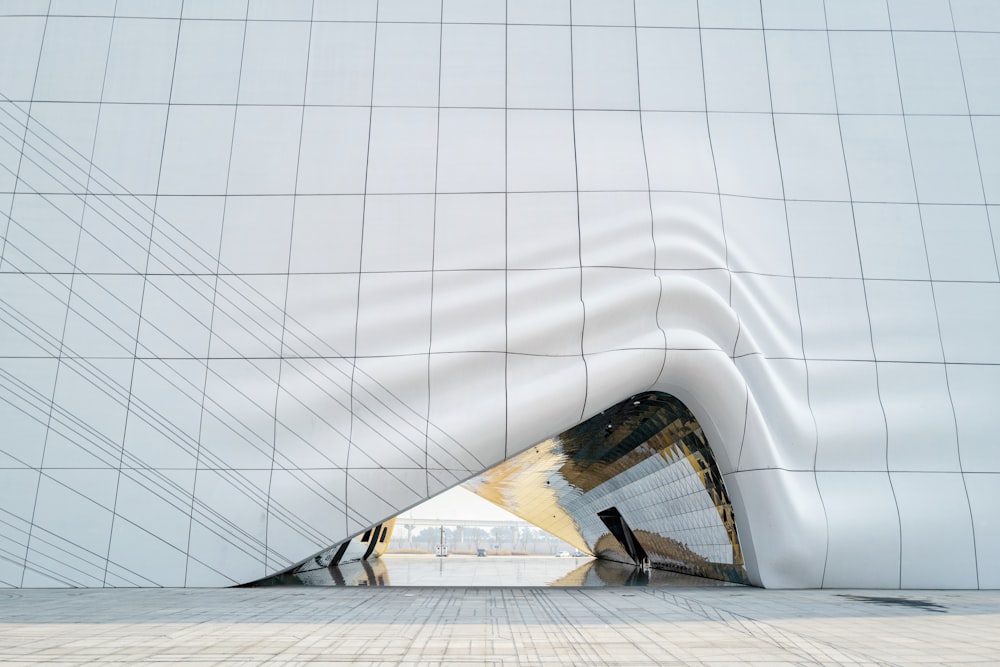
{"points": [[562, 554]]}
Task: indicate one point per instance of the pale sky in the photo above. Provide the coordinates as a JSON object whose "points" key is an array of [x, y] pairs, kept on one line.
{"points": [[458, 503]]}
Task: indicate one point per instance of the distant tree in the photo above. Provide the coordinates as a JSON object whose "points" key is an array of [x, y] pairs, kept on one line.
{"points": [[537, 535], [477, 536], [500, 535], [429, 536]]}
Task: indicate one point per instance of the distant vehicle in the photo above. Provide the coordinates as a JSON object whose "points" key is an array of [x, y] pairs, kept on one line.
{"points": [[481, 553], [562, 554], [441, 551], [578, 553]]}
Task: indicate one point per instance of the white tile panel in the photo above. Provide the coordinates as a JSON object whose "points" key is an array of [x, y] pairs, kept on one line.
{"points": [[405, 327], [321, 313], [470, 231], [959, 243], [682, 157], [270, 10], [474, 11], [273, 70], [542, 231], [681, 13], [986, 130], [769, 316], [864, 70], [207, 9], [975, 15], [688, 231], [557, 297], [462, 323], [917, 399], [402, 148], [72, 64], [609, 151], [930, 74], [313, 415], [730, 13], [920, 14], [746, 156], [758, 233], [971, 388], [265, 150], [540, 151], [935, 528], [473, 67], [978, 52], [209, 56], [670, 73], [58, 142], [823, 239], [345, 10], [626, 243], [407, 67], [903, 320], [970, 321], [891, 241], [860, 507], [103, 316], [326, 234], [42, 232], [164, 417], [26, 386], [944, 160], [197, 149], [20, 36], [844, 396], [835, 320], [398, 233], [878, 161], [794, 14], [341, 58], [405, 11], [471, 150], [141, 61], [604, 67], [811, 152], [539, 67], [857, 15], [982, 490], [798, 67], [735, 70]]}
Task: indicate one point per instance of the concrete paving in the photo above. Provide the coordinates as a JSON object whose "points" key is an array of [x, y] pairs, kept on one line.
{"points": [[497, 626]]}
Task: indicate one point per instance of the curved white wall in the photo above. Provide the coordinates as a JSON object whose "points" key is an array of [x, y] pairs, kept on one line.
{"points": [[273, 272]]}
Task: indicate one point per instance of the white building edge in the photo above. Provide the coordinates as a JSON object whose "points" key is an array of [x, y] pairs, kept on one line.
{"points": [[274, 272]]}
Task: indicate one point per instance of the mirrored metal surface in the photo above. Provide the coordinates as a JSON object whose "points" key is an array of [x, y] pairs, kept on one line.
{"points": [[637, 484]]}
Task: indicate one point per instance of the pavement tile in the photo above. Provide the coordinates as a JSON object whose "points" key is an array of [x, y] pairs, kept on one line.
{"points": [[496, 626]]}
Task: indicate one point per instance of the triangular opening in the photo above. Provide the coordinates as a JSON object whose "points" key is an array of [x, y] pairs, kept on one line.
{"points": [[635, 486]]}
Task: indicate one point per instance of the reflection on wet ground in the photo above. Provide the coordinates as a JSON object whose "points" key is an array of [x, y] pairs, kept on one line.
{"points": [[395, 570]]}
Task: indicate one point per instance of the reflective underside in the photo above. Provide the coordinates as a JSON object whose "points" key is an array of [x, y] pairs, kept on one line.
{"points": [[647, 462]]}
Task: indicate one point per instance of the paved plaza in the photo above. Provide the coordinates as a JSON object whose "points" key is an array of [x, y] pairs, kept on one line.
{"points": [[497, 626]]}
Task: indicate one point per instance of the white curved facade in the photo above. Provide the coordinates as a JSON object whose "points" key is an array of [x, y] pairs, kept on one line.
{"points": [[273, 272]]}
